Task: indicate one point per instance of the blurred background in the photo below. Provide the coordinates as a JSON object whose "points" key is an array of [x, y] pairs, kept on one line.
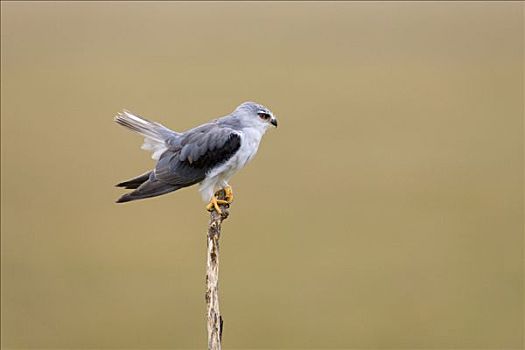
{"points": [[386, 211]]}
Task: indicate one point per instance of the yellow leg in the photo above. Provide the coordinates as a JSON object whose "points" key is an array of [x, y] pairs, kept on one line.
{"points": [[214, 204], [228, 194]]}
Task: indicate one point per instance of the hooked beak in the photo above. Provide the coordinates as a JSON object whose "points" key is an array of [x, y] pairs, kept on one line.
{"points": [[273, 122]]}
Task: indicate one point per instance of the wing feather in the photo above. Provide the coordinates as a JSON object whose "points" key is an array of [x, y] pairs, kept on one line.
{"points": [[199, 150]]}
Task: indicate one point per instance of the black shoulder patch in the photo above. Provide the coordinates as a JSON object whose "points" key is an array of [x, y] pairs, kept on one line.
{"points": [[213, 157], [199, 160]]}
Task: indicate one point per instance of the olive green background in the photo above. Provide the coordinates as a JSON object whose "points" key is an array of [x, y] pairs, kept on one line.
{"points": [[386, 211]]}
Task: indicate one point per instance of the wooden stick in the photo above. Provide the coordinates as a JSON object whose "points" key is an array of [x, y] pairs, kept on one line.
{"points": [[215, 322]]}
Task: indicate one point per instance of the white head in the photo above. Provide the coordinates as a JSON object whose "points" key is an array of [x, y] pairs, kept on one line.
{"points": [[255, 115]]}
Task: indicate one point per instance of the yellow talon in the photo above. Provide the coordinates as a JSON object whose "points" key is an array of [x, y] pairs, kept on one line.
{"points": [[214, 204], [228, 194]]}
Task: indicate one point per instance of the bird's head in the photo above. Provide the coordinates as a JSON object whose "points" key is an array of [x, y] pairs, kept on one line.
{"points": [[256, 115]]}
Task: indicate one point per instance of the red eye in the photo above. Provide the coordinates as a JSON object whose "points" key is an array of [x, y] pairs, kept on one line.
{"points": [[264, 116]]}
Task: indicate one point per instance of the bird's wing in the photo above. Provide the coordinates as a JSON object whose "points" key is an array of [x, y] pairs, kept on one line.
{"points": [[196, 152], [155, 135]]}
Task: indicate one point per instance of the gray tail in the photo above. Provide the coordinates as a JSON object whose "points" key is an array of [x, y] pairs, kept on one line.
{"points": [[146, 128], [148, 189], [155, 134], [135, 182]]}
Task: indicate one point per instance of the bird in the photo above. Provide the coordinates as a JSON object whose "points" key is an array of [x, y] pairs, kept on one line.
{"points": [[208, 155]]}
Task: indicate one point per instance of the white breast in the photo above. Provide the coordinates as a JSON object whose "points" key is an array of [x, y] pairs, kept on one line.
{"points": [[250, 140]]}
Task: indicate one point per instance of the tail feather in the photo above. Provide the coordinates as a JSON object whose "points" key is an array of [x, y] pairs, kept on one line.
{"points": [[155, 134], [136, 181], [150, 188]]}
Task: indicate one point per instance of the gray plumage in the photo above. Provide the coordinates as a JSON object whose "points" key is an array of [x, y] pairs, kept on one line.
{"points": [[208, 154]]}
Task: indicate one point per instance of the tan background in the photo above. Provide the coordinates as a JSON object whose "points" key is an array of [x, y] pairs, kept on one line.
{"points": [[385, 211]]}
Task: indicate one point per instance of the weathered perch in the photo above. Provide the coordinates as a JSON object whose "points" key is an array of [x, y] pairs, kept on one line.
{"points": [[212, 277]]}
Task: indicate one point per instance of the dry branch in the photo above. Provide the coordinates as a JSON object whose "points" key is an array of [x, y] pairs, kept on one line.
{"points": [[212, 277]]}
